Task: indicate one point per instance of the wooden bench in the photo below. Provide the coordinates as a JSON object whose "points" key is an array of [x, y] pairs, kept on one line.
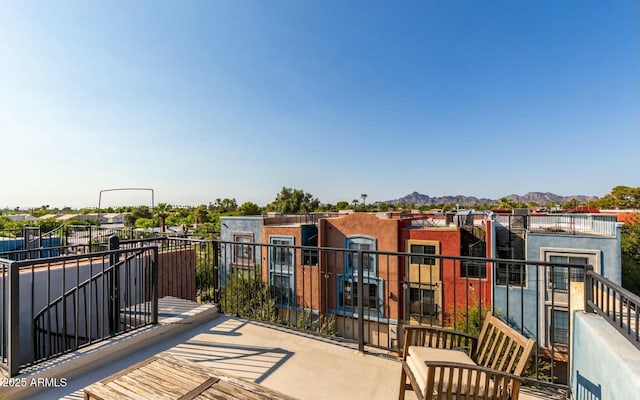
{"points": [[441, 363]]}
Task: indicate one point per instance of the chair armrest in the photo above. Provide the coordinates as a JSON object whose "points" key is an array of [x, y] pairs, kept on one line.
{"points": [[430, 336], [445, 378]]}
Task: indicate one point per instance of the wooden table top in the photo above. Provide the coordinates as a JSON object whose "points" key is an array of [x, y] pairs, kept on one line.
{"points": [[167, 377]]}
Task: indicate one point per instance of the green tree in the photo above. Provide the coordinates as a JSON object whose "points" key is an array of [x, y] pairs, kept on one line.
{"points": [[630, 247], [249, 208], [200, 214], [144, 223], [343, 205], [293, 201], [621, 197], [227, 205]]}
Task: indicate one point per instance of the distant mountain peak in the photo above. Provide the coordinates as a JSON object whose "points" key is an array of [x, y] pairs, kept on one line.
{"points": [[530, 197]]}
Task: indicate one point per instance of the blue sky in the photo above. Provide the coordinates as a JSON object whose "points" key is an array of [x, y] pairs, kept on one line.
{"points": [[211, 99]]}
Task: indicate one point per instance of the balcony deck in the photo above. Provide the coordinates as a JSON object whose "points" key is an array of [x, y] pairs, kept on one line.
{"points": [[299, 365]]}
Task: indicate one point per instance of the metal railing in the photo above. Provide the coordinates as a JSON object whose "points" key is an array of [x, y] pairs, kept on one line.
{"points": [[568, 224], [367, 297], [355, 295], [51, 306], [617, 305]]}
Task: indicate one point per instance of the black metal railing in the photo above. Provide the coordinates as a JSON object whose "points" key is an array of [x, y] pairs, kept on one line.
{"points": [[568, 224], [282, 219], [618, 306], [355, 295], [54, 305], [367, 297]]}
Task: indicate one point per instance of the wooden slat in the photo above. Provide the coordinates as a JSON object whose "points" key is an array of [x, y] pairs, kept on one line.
{"points": [[199, 389], [208, 394], [149, 388], [212, 394], [181, 373], [99, 391], [497, 350], [163, 375], [129, 369], [511, 353], [164, 378]]}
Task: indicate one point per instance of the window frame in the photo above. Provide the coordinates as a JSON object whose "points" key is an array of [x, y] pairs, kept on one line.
{"points": [[464, 265], [351, 308], [279, 269], [506, 271], [433, 289], [350, 257], [243, 261], [555, 330]]}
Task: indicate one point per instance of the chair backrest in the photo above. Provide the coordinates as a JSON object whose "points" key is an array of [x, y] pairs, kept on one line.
{"points": [[502, 348]]}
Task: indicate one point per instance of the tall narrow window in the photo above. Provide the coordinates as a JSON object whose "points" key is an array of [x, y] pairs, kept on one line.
{"points": [[560, 334], [243, 249], [282, 269]]}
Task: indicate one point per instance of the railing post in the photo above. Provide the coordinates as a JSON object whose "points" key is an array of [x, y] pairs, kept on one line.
{"points": [[154, 286], [13, 323], [360, 286], [113, 278], [588, 288], [217, 285]]}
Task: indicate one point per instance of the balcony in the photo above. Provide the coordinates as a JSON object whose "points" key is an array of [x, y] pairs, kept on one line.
{"points": [[299, 365], [563, 224], [304, 336]]}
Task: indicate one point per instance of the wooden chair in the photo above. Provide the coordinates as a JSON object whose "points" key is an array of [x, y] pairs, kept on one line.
{"points": [[445, 364]]}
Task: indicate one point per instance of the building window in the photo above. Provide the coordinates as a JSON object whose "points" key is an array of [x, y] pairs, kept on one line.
{"points": [[368, 259], [281, 255], [508, 274], [309, 257], [422, 249], [559, 276], [282, 269], [422, 302], [560, 326], [281, 288], [242, 249], [372, 294], [473, 269]]}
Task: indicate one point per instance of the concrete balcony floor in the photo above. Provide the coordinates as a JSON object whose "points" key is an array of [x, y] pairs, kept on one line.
{"points": [[302, 366]]}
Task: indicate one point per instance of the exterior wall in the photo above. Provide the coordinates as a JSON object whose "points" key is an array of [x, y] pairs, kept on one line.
{"points": [[448, 240], [177, 274], [333, 232], [610, 372], [250, 225], [456, 291], [306, 288], [533, 316], [231, 225]]}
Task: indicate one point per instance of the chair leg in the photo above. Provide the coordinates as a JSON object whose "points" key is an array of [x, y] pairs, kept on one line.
{"points": [[403, 384]]}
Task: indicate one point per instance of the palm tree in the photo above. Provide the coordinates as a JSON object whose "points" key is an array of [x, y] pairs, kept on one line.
{"points": [[163, 210], [364, 198]]}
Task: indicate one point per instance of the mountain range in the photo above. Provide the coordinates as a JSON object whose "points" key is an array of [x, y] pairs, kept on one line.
{"points": [[537, 197]]}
